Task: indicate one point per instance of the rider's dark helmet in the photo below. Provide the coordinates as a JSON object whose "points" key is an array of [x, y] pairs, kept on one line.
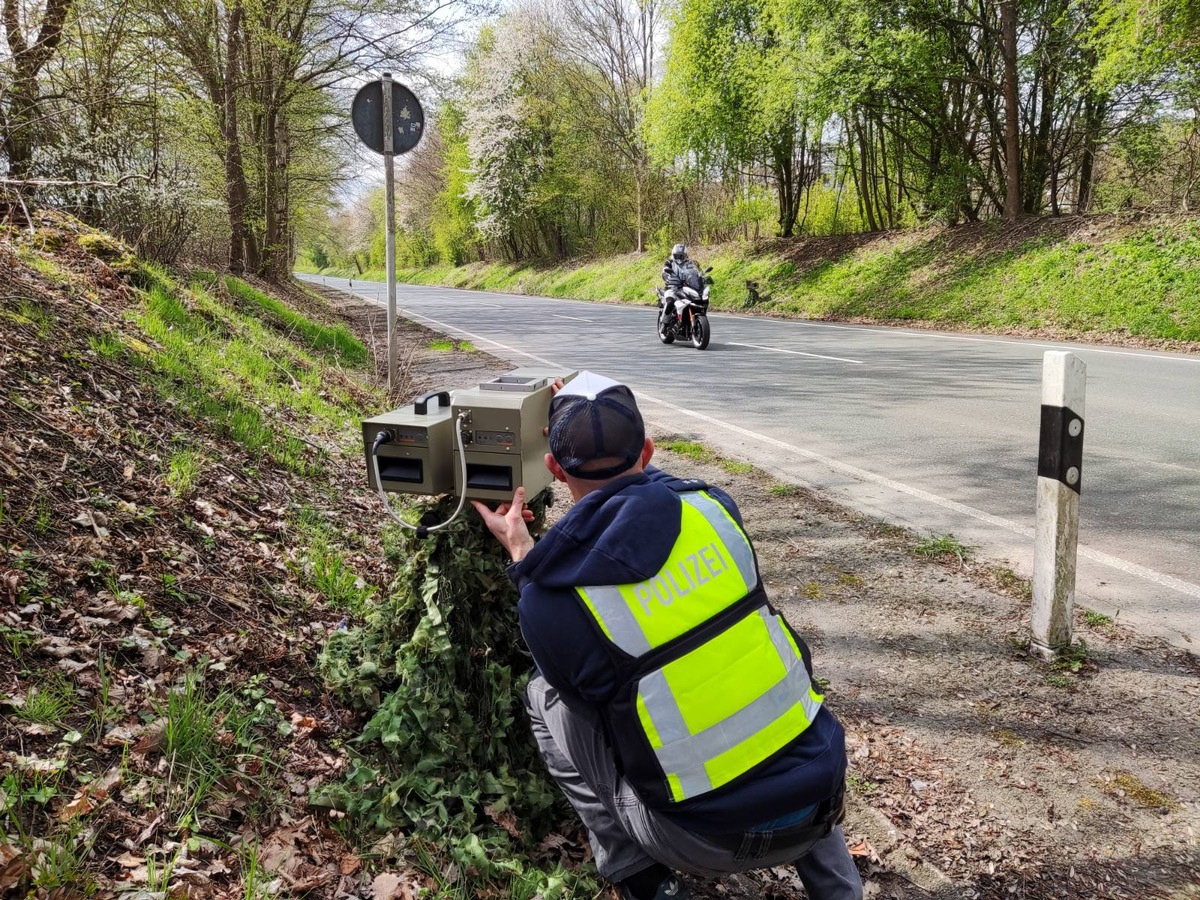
{"points": [[679, 253]]}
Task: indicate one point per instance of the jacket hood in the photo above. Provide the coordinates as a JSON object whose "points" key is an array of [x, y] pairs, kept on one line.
{"points": [[620, 534]]}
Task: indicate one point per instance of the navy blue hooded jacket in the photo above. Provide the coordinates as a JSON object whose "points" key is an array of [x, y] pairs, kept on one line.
{"points": [[621, 534]]}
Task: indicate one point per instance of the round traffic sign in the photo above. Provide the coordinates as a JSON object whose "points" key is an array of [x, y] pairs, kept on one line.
{"points": [[408, 119]]}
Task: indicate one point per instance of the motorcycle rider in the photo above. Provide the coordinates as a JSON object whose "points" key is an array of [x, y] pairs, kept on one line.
{"points": [[672, 272]]}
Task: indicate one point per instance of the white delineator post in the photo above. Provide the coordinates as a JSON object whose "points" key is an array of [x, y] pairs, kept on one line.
{"points": [[1060, 473], [390, 227]]}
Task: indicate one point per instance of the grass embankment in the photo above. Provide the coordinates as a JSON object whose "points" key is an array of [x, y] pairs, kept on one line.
{"points": [[180, 534], [1088, 277]]}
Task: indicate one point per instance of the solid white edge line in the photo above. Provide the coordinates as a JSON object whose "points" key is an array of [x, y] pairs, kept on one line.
{"points": [[1130, 568], [477, 338], [1104, 559], [857, 362]]}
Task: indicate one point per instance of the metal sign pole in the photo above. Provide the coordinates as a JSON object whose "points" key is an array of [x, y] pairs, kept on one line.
{"points": [[390, 188], [388, 131]]}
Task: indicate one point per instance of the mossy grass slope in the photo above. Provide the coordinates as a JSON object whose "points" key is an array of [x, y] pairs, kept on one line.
{"points": [[181, 531], [258, 384]]}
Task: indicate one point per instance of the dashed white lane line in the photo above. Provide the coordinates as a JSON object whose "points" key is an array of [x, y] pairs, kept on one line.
{"points": [[986, 340], [857, 362], [574, 318], [1123, 565]]}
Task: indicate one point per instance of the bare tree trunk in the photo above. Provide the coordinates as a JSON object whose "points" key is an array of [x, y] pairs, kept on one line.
{"points": [[1094, 110], [20, 122], [281, 262], [687, 212], [866, 201], [21, 117], [889, 206], [1012, 134], [641, 225], [783, 167], [275, 263], [235, 174], [1040, 161], [814, 178]]}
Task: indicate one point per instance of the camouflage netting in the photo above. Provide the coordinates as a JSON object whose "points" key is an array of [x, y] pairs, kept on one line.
{"points": [[441, 667]]}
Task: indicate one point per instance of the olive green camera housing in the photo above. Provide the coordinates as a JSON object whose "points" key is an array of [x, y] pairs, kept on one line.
{"points": [[503, 446], [418, 457], [502, 434]]}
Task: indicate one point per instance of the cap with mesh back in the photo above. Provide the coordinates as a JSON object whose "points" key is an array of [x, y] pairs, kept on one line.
{"points": [[595, 419]]}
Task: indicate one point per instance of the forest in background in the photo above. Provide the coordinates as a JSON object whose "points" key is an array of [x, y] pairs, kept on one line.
{"points": [[590, 129], [211, 131], [219, 131]]}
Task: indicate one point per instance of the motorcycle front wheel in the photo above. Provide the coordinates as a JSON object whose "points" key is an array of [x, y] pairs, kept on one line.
{"points": [[701, 333], [665, 334]]}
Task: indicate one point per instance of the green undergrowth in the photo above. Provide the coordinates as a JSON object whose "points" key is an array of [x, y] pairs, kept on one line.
{"points": [[446, 756], [944, 547], [335, 341], [324, 562], [1077, 276], [702, 453], [247, 380], [445, 763]]}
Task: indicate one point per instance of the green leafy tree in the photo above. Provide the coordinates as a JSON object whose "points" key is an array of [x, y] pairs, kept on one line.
{"points": [[1152, 47], [452, 219], [526, 155], [733, 98]]}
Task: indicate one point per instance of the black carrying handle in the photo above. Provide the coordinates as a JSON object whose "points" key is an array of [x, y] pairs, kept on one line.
{"points": [[421, 404]]}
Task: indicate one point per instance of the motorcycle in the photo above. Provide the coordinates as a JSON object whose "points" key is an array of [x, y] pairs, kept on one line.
{"points": [[683, 311]]}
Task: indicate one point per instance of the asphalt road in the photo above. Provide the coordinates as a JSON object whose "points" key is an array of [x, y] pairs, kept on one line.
{"points": [[934, 430]]}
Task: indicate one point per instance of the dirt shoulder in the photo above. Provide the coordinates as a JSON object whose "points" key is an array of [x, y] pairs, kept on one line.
{"points": [[976, 770]]}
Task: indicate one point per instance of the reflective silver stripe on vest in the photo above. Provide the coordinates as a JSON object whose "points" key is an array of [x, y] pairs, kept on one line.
{"points": [[613, 609], [733, 537], [672, 731], [660, 703], [618, 620], [686, 758]]}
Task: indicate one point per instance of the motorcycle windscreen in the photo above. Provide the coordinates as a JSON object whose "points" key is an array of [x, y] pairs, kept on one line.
{"points": [[691, 277]]}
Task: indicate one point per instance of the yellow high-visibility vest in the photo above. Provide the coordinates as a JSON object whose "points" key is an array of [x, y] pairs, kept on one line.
{"points": [[726, 692]]}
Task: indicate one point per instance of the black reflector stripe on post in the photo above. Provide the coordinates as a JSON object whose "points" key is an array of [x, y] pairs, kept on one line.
{"points": [[1060, 452]]}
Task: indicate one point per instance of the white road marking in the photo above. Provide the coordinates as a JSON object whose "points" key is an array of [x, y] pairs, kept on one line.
{"points": [[857, 362], [1130, 568], [1084, 348], [573, 318], [1160, 578], [452, 329], [478, 339]]}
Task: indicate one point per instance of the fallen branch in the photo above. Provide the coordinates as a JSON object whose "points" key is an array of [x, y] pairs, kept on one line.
{"points": [[25, 210], [38, 182]]}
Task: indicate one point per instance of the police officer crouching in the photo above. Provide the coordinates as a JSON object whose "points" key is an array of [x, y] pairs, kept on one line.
{"points": [[674, 706]]}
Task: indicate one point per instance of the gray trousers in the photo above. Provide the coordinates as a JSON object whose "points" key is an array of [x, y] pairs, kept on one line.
{"points": [[627, 836]]}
